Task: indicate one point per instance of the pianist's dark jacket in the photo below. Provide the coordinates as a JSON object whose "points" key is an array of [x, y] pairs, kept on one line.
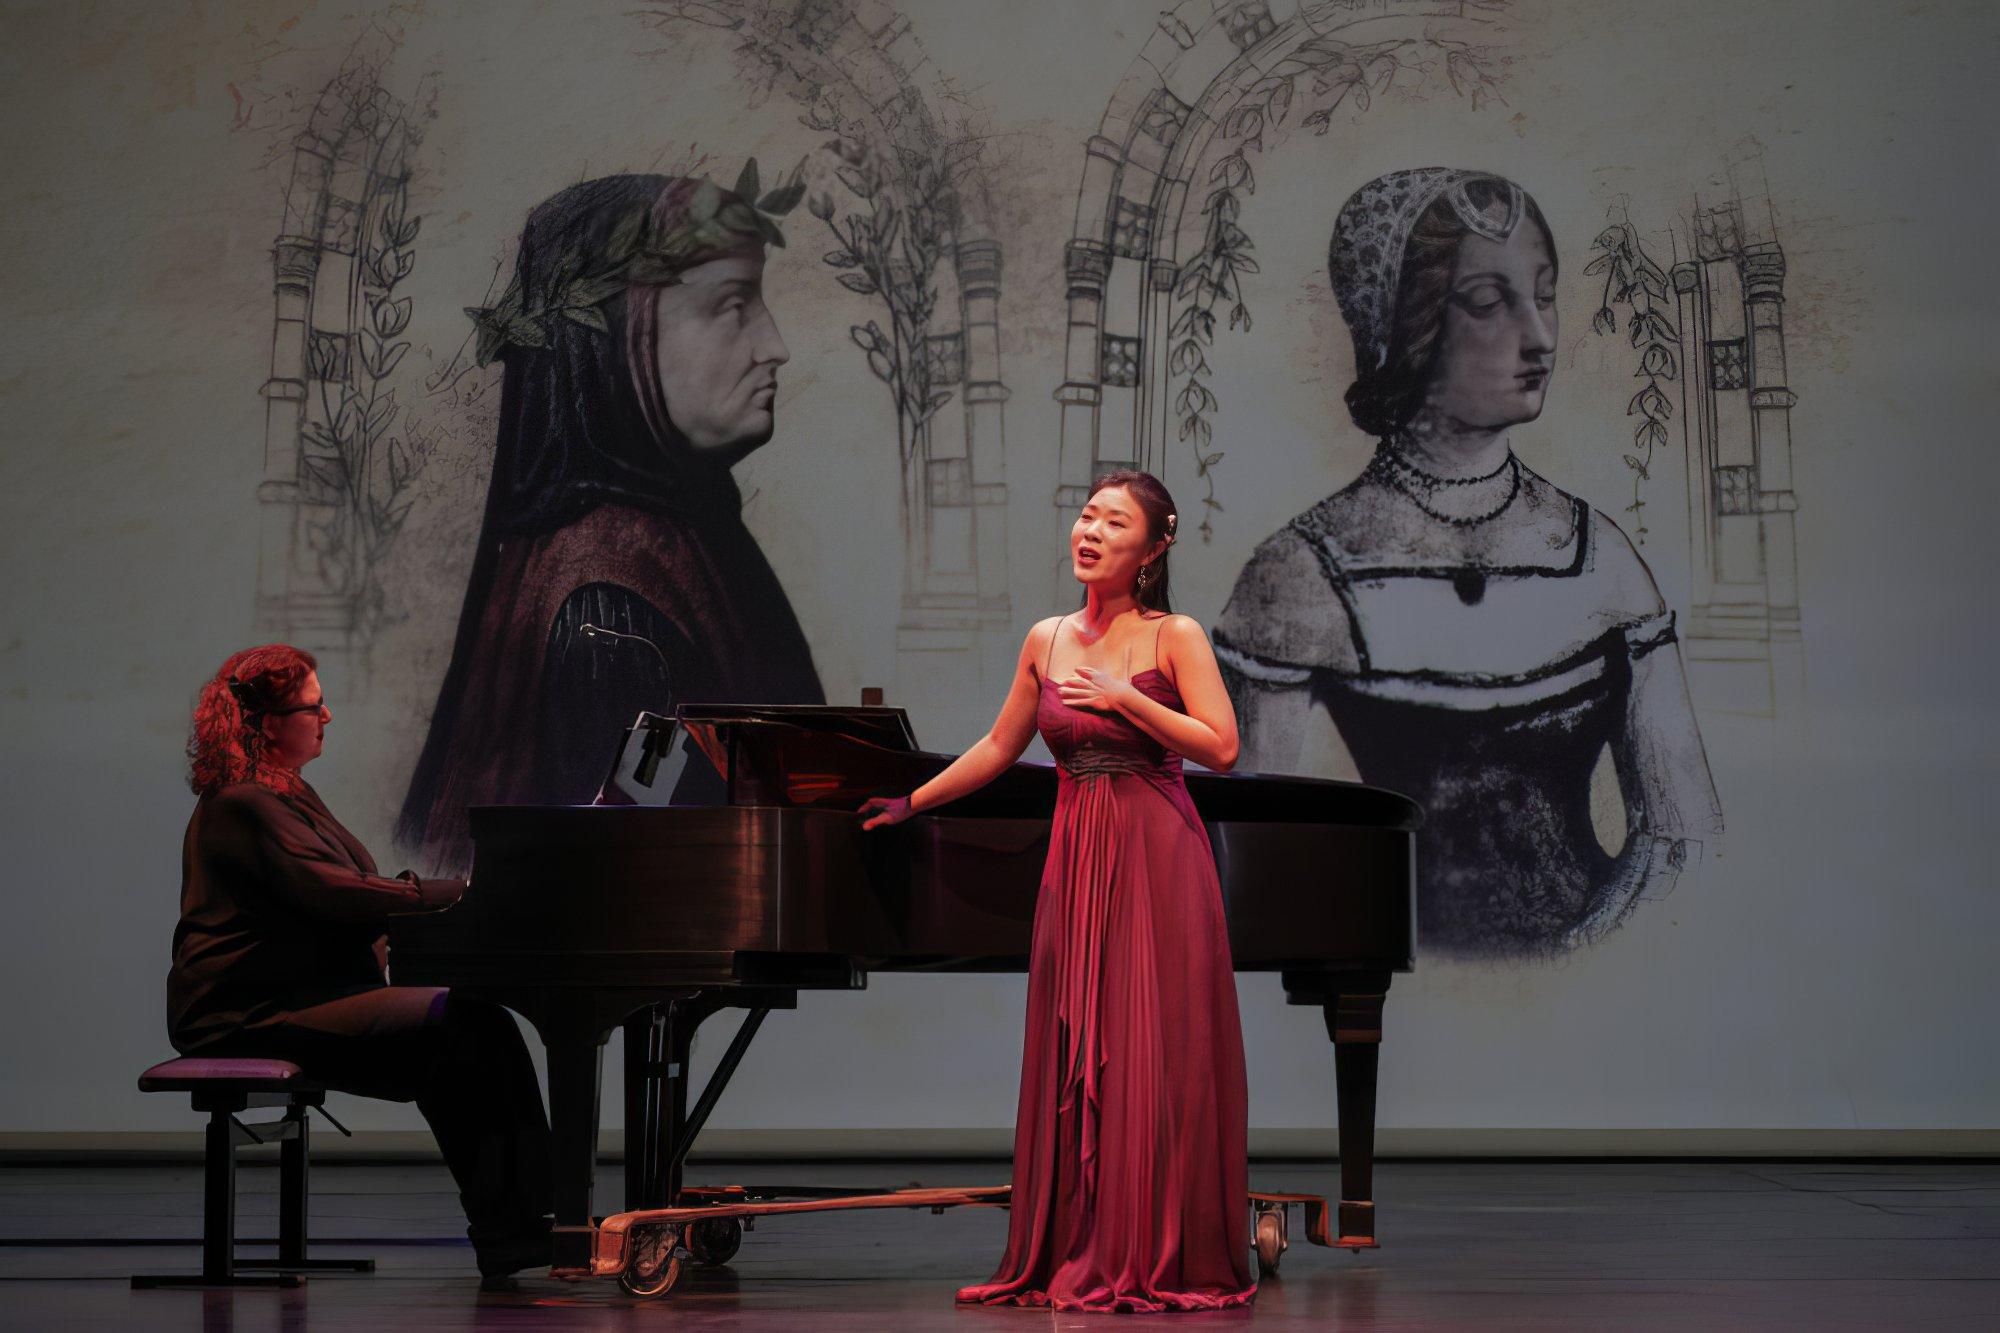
{"points": [[281, 909]]}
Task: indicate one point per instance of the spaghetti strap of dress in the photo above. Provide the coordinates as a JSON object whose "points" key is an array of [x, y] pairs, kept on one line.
{"points": [[1049, 661]]}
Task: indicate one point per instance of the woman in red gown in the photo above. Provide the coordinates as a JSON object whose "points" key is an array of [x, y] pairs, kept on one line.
{"points": [[1130, 1163]]}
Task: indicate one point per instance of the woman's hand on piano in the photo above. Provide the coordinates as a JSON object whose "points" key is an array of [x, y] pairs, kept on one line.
{"points": [[885, 810]]}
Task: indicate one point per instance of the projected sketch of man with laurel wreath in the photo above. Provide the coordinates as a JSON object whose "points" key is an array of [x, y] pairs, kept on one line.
{"points": [[1480, 638], [641, 365]]}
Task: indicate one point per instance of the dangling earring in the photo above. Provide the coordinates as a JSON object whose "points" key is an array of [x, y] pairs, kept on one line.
{"points": [[1145, 573]]}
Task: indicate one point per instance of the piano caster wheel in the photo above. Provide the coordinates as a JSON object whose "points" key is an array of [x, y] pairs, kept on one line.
{"points": [[655, 1265], [1271, 1240], [714, 1241]]}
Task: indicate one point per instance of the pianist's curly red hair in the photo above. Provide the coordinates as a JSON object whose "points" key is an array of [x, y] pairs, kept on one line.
{"points": [[227, 739]]}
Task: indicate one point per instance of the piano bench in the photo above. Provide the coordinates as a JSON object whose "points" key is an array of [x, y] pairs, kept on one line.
{"points": [[223, 1087]]}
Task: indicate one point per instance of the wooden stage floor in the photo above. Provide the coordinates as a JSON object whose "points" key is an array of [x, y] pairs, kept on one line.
{"points": [[1540, 1245]]}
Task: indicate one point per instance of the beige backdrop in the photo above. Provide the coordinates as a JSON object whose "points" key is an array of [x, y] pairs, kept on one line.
{"points": [[1825, 969]]}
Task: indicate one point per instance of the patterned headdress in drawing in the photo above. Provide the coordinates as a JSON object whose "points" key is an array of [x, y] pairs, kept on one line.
{"points": [[1365, 260]]}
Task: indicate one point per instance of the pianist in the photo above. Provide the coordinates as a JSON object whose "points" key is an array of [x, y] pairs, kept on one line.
{"points": [[280, 953]]}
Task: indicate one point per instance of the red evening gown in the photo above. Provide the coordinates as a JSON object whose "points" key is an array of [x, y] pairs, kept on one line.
{"points": [[1131, 1170]]}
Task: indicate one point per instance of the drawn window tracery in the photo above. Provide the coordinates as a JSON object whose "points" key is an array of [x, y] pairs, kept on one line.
{"points": [[1164, 117], [947, 357], [1249, 24], [330, 356], [950, 482], [1736, 490], [1727, 366], [1131, 229], [1118, 361]]}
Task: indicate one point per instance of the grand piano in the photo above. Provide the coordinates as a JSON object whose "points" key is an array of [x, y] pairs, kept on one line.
{"points": [[652, 918]]}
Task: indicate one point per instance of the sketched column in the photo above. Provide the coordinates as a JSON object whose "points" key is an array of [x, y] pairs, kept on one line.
{"points": [[985, 422], [1771, 433], [295, 257], [1147, 120], [1743, 644], [938, 571], [1697, 438], [1728, 638], [1086, 265]]}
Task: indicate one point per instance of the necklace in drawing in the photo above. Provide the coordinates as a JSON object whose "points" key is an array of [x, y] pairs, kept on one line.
{"points": [[1392, 467]]}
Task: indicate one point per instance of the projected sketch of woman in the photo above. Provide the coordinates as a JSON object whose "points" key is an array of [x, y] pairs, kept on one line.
{"points": [[1479, 637]]}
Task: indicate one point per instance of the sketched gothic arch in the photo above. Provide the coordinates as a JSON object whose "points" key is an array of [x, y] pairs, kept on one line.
{"points": [[336, 479], [853, 66], [954, 464], [1141, 197]]}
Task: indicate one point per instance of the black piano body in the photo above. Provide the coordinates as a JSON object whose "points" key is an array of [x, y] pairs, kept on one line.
{"points": [[585, 919]]}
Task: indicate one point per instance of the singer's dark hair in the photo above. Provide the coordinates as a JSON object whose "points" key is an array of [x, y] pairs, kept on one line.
{"points": [[1156, 504], [226, 741]]}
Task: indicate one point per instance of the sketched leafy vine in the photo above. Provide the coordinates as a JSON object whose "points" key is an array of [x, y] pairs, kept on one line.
{"points": [[1632, 279], [1325, 73], [355, 458]]}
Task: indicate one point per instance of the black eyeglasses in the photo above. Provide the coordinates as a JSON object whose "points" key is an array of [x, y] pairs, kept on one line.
{"points": [[296, 708]]}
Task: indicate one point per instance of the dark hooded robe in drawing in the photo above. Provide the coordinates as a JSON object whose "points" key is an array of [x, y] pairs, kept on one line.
{"points": [[600, 513]]}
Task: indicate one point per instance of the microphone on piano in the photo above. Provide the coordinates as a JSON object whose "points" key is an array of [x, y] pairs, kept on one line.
{"points": [[654, 744], [590, 631]]}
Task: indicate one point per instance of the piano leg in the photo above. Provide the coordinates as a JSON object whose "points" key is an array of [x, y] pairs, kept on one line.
{"points": [[659, 1044], [1353, 1009], [644, 1032], [575, 1062], [683, 1017], [673, 1125]]}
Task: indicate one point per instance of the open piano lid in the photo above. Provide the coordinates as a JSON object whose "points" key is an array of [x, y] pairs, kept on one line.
{"points": [[793, 754]]}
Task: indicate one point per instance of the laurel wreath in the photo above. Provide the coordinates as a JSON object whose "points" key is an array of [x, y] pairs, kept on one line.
{"points": [[641, 251]]}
